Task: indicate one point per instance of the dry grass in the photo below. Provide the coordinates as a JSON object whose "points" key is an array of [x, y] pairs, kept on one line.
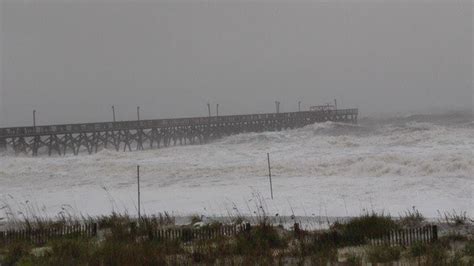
{"points": [[124, 240]]}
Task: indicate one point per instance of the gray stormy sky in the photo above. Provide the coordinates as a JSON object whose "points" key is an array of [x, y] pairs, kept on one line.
{"points": [[72, 60]]}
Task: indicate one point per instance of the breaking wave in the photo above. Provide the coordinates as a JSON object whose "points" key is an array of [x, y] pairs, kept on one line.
{"points": [[396, 163], [405, 147]]}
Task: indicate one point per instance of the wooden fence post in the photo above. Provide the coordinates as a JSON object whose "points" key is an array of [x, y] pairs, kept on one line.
{"points": [[434, 233], [94, 229], [248, 227], [297, 229]]}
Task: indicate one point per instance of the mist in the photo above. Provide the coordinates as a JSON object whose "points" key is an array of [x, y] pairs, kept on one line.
{"points": [[72, 61]]}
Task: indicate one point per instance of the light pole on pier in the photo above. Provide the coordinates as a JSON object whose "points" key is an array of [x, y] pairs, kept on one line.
{"points": [[335, 104], [113, 113], [299, 106], [217, 109], [138, 113], [34, 118], [277, 105], [209, 109]]}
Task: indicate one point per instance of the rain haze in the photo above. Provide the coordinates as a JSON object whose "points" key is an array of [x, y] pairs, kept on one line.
{"points": [[73, 60], [109, 110]]}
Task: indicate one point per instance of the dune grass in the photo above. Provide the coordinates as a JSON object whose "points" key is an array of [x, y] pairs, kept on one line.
{"points": [[125, 240]]}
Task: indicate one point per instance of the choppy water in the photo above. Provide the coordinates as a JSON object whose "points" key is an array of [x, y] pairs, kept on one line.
{"points": [[334, 169]]}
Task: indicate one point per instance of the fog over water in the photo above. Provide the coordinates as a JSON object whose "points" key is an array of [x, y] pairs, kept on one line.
{"points": [[72, 60]]}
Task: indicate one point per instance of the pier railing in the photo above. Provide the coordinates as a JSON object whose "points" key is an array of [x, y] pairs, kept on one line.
{"points": [[141, 134], [163, 123]]}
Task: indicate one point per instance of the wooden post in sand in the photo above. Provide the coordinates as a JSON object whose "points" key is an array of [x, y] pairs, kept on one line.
{"points": [[270, 174], [138, 186]]}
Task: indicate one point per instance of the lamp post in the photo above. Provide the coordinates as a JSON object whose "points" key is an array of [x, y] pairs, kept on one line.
{"points": [[138, 113], [299, 106], [113, 113], [34, 118]]}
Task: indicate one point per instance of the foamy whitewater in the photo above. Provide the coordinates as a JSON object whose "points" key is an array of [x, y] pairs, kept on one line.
{"points": [[327, 169]]}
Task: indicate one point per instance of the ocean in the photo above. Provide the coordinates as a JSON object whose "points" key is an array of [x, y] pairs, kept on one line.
{"points": [[382, 164]]}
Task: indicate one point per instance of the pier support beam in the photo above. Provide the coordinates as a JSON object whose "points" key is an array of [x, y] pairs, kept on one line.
{"points": [[138, 134], [3, 144]]}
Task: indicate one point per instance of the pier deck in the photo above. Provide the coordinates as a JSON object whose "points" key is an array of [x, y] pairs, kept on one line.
{"points": [[128, 135]]}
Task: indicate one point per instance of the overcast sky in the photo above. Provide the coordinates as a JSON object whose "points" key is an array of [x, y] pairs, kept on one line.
{"points": [[72, 60]]}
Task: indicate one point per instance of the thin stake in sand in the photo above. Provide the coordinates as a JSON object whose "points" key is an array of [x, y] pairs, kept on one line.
{"points": [[138, 187], [270, 174]]}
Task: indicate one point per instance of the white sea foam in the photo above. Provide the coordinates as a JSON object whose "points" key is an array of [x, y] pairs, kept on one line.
{"points": [[334, 168]]}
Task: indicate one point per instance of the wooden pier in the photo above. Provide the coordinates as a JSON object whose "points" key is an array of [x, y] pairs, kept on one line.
{"points": [[141, 134]]}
